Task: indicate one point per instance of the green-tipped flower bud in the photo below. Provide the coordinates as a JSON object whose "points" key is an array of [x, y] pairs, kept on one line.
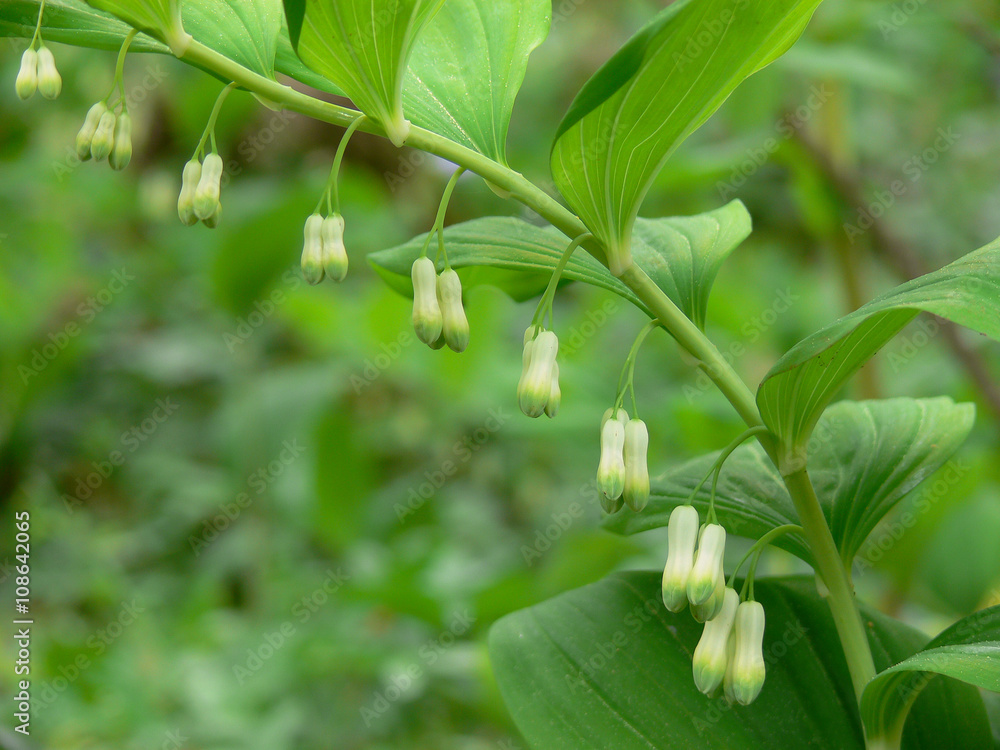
{"points": [[682, 534], [534, 391], [745, 673], [86, 135], [189, 183], [121, 151], [455, 324], [104, 136], [49, 80], [712, 653], [707, 571], [555, 394], [427, 320], [709, 610], [206, 195], [636, 492], [334, 252], [215, 219], [312, 249], [27, 76], [611, 470]]}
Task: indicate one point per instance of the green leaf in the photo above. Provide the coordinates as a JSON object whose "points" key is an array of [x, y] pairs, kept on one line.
{"points": [[681, 254], [866, 457], [160, 19], [798, 388], [245, 31], [968, 651], [606, 666], [71, 22], [468, 66], [363, 47], [661, 86]]}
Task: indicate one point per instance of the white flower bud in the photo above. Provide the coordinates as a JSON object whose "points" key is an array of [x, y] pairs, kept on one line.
{"points": [[189, 183], [636, 492], [529, 344], [746, 671], [621, 415], [455, 324], [104, 136], [121, 151], [86, 135], [206, 195], [707, 571], [334, 252], [712, 653], [27, 76], [533, 394], [611, 470], [682, 534], [215, 219], [555, 394], [709, 610], [49, 80], [312, 249], [427, 320]]}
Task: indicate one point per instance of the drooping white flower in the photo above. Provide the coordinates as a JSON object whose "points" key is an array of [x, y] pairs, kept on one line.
{"points": [[427, 320], [711, 654], [682, 534], [636, 491], [746, 671]]}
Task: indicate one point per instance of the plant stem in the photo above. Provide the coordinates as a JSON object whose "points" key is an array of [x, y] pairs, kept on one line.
{"points": [[845, 611]]}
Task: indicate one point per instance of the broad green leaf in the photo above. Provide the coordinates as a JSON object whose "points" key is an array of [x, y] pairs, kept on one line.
{"points": [[467, 68], [72, 22], [968, 651], [681, 254], [606, 666], [798, 388], [158, 18], [363, 47], [245, 31], [864, 459], [661, 86]]}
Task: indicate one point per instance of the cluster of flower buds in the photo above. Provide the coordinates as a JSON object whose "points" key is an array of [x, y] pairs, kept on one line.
{"points": [[438, 312], [730, 651], [38, 72], [538, 389], [105, 135], [623, 474], [201, 185], [323, 251]]}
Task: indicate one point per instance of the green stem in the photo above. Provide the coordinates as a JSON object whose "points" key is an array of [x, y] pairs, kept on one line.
{"points": [[118, 81], [210, 126], [760, 544], [691, 338], [333, 184], [38, 26], [550, 291], [438, 226]]}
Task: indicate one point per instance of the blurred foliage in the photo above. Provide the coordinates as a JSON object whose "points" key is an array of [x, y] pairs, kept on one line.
{"points": [[385, 502]]}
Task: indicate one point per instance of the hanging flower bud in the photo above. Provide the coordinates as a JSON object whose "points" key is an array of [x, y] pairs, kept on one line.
{"points": [[555, 395], [712, 653], [86, 135], [49, 80], [533, 394], [27, 76], [636, 490], [189, 183], [121, 151], [709, 610], [621, 415], [746, 671], [529, 343], [682, 534], [455, 324], [104, 136], [312, 249], [707, 571], [427, 320], [206, 195], [334, 252], [215, 219], [611, 470]]}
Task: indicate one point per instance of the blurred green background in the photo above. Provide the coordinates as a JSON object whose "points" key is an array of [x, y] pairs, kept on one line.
{"points": [[245, 532]]}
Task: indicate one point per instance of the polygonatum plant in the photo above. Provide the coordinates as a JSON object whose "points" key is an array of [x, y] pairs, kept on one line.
{"points": [[698, 656]]}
